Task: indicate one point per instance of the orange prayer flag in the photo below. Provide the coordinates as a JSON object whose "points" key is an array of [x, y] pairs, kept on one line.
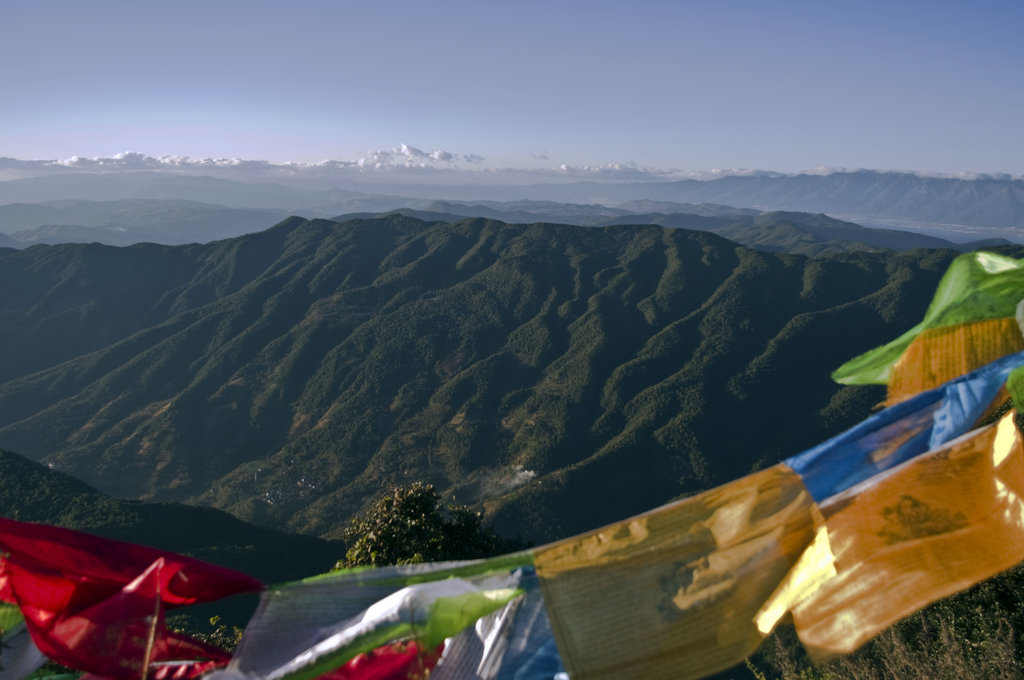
{"points": [[672, 594], [919, 532], [941, 354]]}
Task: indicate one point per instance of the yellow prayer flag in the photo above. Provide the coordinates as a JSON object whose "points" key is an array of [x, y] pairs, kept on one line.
{"points": [[672, 594], [919, 532], [938, 355]]}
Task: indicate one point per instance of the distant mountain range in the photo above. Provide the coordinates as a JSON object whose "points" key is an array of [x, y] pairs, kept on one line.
{"points": [[102, 187], [986, 206], [130, 207], [958, 209], [863, 196], [167, 221], [562, 376], [128, 221]]}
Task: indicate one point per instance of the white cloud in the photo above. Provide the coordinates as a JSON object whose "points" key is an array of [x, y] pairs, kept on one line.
{"points": [[412, 152], [375, 159], [615, 171], [132, 160], [402, 156], [420, 157], [327, 165]]}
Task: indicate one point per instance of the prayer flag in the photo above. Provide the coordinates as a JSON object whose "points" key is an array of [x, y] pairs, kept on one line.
{"points": [[672, 594], [512, 643], [939, 355], [400, 661], [977, 286], [919, 532], [902, 431], [692, 588], [19, 656], [306, 628], [97, 605]]}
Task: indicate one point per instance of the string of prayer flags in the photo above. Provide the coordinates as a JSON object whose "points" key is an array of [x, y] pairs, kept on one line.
{"points": [[902, 431], [699, 580]]}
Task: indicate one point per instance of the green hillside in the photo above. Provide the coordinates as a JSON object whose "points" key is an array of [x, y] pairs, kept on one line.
{"points": [[31, 492], [562, 376]]}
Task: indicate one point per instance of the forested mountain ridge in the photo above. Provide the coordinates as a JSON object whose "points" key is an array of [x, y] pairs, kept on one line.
{"points": [[778, 232], [30, 492], [564, 376]]}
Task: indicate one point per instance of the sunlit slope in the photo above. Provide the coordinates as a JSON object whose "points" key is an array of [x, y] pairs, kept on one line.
{"points": [[565, 376]]}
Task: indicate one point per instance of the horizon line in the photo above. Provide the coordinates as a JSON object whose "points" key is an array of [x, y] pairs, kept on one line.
{"points": [[409, 160]]}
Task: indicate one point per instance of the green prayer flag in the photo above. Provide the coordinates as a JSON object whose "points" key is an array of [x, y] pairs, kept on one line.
{"points": [[306, 628], [977, 286], [1015, 386], [10, 616], [449, 616]]}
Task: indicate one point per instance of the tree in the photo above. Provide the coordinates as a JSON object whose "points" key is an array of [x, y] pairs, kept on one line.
{"points": [[412, 524]]}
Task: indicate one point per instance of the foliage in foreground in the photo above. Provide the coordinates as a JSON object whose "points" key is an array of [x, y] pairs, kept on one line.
{"points": [[412, 524], [225, 636]]}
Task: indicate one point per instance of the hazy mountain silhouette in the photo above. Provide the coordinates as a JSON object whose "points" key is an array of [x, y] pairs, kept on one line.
{"points": [[130, 221], [995, 203], [955, 208]]}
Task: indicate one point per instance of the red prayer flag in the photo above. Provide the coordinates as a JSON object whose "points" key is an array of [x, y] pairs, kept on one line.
{"points": [[97, 605], [172, 671], [399, 661]]}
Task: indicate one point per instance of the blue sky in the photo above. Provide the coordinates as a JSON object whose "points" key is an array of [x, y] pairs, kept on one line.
{"points": [[787, 86]]}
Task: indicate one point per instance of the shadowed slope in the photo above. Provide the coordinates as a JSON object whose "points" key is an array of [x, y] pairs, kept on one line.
{"points": [[30, 492]]}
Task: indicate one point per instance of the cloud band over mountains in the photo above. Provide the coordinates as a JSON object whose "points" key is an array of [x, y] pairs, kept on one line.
{"points": [[403, 159]]}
